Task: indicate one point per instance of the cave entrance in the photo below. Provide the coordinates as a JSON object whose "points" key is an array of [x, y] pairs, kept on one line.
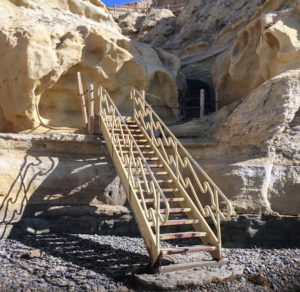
{"points": [[190, 103]]}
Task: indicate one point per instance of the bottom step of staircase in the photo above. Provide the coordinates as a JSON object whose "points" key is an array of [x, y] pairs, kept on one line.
{"points": [[178, 235], [188, 249], [185, 266]]}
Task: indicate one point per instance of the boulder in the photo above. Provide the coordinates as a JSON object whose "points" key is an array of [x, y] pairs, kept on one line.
{"points": [[154, 17], [45, 43], [157, 27], [130, 22], [154, 27], [267, 46]]}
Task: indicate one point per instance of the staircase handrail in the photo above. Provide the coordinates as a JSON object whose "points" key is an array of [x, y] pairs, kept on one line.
{"points": [[154, 125], [111, 115]]}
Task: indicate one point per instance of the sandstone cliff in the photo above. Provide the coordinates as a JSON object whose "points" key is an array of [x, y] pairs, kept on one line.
{"points": [[251, 147], [204, 30], [43, 44], [265, 47], [248, 51]]}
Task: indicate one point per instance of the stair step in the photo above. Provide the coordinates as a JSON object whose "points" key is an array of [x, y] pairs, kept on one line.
{"points": [[125, 130], [181, 222], [168, 199], [170, 190], [185, 266], [188, 249], [178, 222], [137, 140], [165, 190], [137, 152], [160, 181], [140, 146], [176, 210], [155, 165], [154, 172], [152, 166], [134, 135], [130, 126], [130, 122], [178, 235], [152, 158]]}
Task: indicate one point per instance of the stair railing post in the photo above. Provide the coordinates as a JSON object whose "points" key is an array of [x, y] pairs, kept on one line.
{"points": [[176, 161], [82, 101], [202, 103], [218, 227], [91, 109], [130, 160], [157, 213], [132, 97], [100, 95]]}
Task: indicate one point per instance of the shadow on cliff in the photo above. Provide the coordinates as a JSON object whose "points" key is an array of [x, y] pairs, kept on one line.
{"points": [[59, 192], [63, 202], [16, 199]]}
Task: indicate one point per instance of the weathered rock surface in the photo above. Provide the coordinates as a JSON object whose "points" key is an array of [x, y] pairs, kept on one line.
{"points": [[196, 277], [45, 43], [130, 22], [153, 28], [66, 182], [205, 29], [251, 147], [267, 46]]}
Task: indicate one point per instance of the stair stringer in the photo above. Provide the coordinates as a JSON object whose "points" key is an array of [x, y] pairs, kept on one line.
{"points": [[211, 238], [139, 214]]}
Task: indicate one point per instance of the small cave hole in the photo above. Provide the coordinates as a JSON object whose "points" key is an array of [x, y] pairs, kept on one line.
{"points": [[190, 102]]}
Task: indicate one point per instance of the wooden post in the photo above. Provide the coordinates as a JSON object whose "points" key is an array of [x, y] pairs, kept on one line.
{"points": [[217, 101], [91, 109], [100, 96], [115, 10], [202, 103], [82, 101]]}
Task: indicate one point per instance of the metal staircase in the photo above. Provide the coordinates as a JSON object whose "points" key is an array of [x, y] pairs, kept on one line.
{"points": [[165, 186]]}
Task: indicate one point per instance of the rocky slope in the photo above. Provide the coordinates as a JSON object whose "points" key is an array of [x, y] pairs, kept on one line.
{"points": [[45, 43]]}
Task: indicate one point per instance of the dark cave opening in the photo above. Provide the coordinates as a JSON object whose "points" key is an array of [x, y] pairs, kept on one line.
{"points": [[190, 102]]}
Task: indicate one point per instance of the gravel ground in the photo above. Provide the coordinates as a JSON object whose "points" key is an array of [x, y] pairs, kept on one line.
{"points": [[106, 263]]}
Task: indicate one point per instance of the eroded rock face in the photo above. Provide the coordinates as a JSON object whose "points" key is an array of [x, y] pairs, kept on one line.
{"points": [[64, 177], [205, 29], [264, 48], [153, 28], [130, 22], [45, 43], [251, 147]]}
